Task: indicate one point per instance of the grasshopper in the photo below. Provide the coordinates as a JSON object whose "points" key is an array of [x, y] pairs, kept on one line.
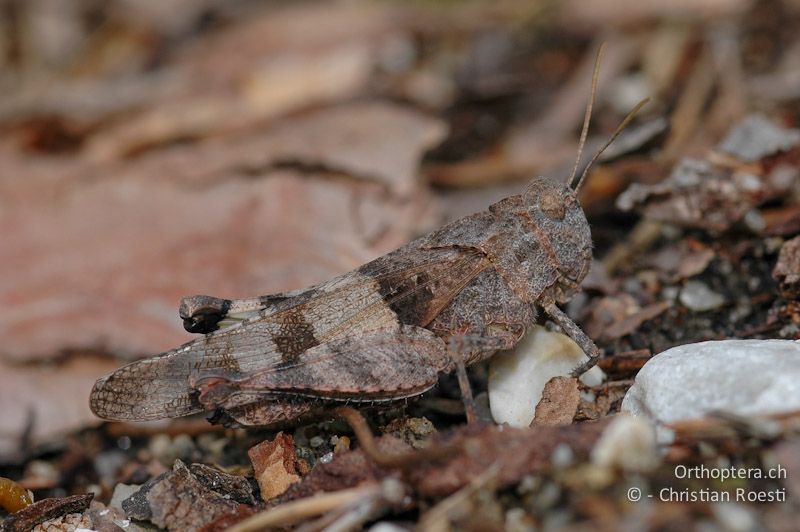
{"points": [[382, 332]]}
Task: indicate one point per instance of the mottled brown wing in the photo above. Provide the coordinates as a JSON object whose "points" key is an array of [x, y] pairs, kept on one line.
{"points": [[361, 301], [378, 366], [381, 365]]}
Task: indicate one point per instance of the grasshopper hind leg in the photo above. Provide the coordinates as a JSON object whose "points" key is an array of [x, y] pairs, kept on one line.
{"points": [[466, 347], [265, 412]]}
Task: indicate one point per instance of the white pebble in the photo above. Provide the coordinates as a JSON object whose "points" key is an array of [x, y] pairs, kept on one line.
{"points": [[629, 444], [385, 526], [698, 296], [562, 456], [517, 377], [745, 377]]}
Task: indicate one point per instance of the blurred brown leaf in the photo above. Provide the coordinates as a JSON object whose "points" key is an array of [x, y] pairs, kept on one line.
{"points": [[101, 263]]}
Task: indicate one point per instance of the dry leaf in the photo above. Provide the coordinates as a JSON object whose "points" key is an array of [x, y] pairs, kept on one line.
{"points": [[633, 321]]}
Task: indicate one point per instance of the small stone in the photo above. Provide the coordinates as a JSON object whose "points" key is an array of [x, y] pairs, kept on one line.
{"points": [[548, 496], [562, 456], [65, 523], [159, 446], [517, 378], [316, 441], [274, 464], [122, 492], [757, 137], [124, 443], [107, 464], [107, 519], [698, 296], [166, 450], [734, 517], [212, 444], [628, 444], [754, 221], [182, 447], [385, 526], [42, 471], [528, 484], [744, 377], [519, 521]]}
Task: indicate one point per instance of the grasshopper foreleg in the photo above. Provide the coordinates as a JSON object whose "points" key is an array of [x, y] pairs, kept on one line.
{"points": [[573, 331]]}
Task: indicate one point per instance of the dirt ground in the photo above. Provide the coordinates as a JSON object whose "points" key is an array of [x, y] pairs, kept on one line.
{"points": [[150, 151]]}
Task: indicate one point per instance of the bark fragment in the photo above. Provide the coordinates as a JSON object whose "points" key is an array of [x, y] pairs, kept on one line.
{"points": [[274, 465], [178, 500], [559, 402], [45, 510]]}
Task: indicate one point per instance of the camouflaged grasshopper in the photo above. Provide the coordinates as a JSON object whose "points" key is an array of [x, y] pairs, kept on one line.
{"points": [[381, 333]]}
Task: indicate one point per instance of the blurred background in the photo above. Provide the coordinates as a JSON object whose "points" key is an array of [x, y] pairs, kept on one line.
{"points": [[155, 149]]}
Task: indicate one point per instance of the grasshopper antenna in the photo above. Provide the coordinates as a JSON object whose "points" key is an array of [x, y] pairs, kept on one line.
{"points": [[588, 116], [630, 116]]}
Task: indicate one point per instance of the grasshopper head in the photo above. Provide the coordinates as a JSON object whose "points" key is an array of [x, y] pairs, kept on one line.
{"points": [[554, 209]]}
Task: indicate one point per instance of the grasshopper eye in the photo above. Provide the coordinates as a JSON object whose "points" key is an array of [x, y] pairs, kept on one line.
{"points": [[552, 206]]}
